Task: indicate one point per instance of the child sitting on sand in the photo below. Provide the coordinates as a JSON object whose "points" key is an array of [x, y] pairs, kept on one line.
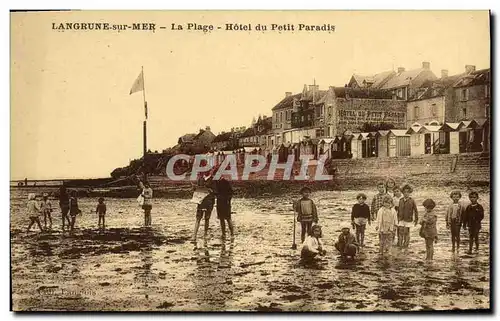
{"points": [[313, 245], [386, 224], [428, 230], [33, 211], [346, 244], [454, 219], [46, 208], [360, 216], [101, 211], [306, 212]]}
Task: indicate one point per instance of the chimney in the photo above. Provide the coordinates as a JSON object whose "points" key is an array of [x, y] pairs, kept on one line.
{"points": [[426, 65], [444, 73], [207, 128], [288, 93], [401, 69], [470, 68]]}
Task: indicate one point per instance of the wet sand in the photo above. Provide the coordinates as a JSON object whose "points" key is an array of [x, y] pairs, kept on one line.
{"points": [[129, 268]]}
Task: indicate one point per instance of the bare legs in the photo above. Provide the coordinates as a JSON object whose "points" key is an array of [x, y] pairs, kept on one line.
{"points": [[34, 220]]}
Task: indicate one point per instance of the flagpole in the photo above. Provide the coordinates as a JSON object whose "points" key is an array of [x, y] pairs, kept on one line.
{"points": [[145, 115]]}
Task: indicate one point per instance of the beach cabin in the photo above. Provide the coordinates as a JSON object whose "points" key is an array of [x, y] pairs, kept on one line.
{"points": [[478, 135], [369, 146], [427, 139], [324, 147], [398, 143], [309, 146], [382, 143]]}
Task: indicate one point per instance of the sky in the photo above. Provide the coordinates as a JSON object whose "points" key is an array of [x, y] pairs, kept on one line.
{"points": [[72, 115]]}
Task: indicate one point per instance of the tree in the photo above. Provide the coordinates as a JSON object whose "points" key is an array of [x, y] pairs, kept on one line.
{"points": [[373, 127]]}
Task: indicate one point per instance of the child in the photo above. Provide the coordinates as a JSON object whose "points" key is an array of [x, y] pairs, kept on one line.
{"points": [[46, 208], [312, 246], [386, 224], [454, 219], [306, 212], [407, 215], [204, 209], [397, 197], [378, 200], [147, 206], [101, 211], [429, 230], [73, 209], [359, 216], [474, 214], [33, 212], [224, 194], [64, 205], [346, 244]]}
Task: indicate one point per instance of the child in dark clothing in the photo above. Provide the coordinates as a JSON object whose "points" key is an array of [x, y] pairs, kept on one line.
{"points": [[101, 210], [306, 212], [73, 209], [205, 207], [378, 200], [359, 216], [454, 219], [474, 214]]}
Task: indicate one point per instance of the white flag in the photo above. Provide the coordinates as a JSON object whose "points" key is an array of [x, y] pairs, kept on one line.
{"points": [[138, 84]]}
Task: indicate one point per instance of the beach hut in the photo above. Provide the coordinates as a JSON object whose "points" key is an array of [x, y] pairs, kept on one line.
{"points": [[458, 143], [368, 145], [382, 143], [324, 147], [426, 139], [398, 143]]}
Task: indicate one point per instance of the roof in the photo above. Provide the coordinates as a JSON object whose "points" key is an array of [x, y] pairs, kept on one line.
{"points": [[248, 132], [187, 138], [382, 133], [402, 78], [436, 88], [475, 78], [347, 92], [376, 80], [399, 132], [422, 129], [224, 137], [318, 95], [287, 102]]}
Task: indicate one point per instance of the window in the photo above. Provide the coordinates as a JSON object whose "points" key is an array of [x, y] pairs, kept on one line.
{"points": [[281, 116], [486, 91], [416, 112], [464, 95], [433, 110], [464, 113]]}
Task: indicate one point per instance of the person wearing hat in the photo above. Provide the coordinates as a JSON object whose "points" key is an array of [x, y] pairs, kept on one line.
{"points": [[306, 212], [33, 212], [428, 230], [46, 209], [313, 245], [407, 215], [347, 244]]}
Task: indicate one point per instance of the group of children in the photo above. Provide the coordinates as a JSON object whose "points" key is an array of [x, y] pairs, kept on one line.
{"points": [[390, 220], [68, 202]]}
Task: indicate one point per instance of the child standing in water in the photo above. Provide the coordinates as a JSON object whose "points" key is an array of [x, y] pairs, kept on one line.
{"points": [[346, 244], [378, 200], [386, 224], [46, 208], [474, 214], [397, 197], [205, 207], [360, 216], [33, 210], [73, 209], [312, 245], [407, 216], [429, 230], [306, 212], [454, 219], [101, 211]]}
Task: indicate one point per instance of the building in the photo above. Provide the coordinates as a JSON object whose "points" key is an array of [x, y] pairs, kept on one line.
{"points": [[225, 141], [372, 81], [349, 110], [260, 134]]}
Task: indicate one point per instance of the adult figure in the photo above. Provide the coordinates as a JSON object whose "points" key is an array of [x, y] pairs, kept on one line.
{"points": [[147, 206], [224, 194], [64, 205]]}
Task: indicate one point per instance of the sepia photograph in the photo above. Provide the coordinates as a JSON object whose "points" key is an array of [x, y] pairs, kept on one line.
{"points": [[250, 161]]}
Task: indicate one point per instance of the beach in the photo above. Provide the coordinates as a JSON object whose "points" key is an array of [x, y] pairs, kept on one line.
{"points": [[130, 268]]}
